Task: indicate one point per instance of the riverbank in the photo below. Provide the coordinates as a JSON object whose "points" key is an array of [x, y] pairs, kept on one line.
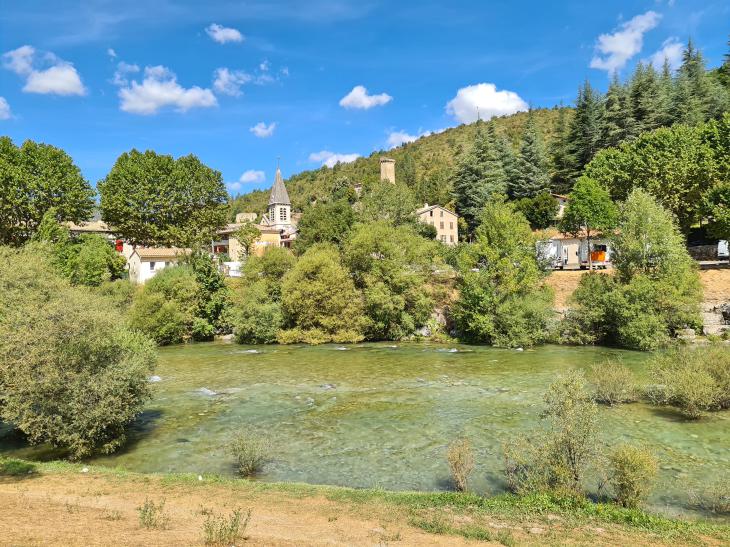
{"points": [[99, 506]]}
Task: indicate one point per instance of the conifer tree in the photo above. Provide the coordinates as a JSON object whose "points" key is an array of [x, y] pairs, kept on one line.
{"points": [[479, 176], [532, 175], [691, 93], [509, 161], [666, 89], [584, 132], [645, 98], [617, 121], [560, 177]]}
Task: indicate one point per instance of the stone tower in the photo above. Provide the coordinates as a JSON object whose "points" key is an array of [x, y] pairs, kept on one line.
{"points": [[279, 204], [387, 170]]}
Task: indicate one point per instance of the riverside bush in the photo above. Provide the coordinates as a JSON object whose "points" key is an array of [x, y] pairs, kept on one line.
{"points": [[152, 516], [694, 380], [222, 531], [613, 384], [631, 473], [461, 463], [71, 373], [250, 451], [556, 456]]}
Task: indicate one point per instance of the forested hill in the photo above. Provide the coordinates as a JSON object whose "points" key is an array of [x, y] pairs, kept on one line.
{"points": [[426, 164]]}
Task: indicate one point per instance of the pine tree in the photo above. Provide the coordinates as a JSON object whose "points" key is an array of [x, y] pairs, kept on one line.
{"points": [[532, 175], [691, 94], [583, 138], [509, 161], [560, 178], [666, 89], [645, 98], [617, 122], [479, 176]]}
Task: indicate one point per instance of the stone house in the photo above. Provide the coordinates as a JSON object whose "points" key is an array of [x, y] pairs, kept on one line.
{"points": [[445, 221]]}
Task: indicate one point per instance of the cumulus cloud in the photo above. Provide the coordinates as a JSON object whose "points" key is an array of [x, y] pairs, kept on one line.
{"points": [[252, 176], [330, 159], [396, 138], [160, 89], [265, 65], [222, 34], [483, 101], [229, 82], [111, 53], [262, 131], [122, 72], [359, 98], [614, 50], [47, 75], [671, 50], [4, 109]]}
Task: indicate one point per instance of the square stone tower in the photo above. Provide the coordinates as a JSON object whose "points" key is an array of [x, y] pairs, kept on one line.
{"points": [[387, 170]]}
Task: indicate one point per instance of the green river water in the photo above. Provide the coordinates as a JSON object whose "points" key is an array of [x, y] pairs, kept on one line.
{"points": [[382, 415]]}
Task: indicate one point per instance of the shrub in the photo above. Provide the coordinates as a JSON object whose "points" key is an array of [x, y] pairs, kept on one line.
{"points": [[461, 463], [250, 451], [557, 456], [694, 380], [319, 299], [632, 472], [71, 373], [613, 383], [120, 291], [256, 319], [222, 531], [152, 516], [715, 497], [502, 300]]}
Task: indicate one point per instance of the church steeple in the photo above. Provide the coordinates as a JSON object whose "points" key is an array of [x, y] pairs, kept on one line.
{"points": [[279, 204]]}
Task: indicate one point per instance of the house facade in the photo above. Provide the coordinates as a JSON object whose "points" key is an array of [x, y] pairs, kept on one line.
{"points": [[445, 221], [144, 263]]}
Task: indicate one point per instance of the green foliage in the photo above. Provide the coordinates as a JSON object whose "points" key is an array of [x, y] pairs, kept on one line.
{"points": [[717, 208], [320, 301], [257, 318], [589, 209], [213, 298], [152, 199], [222, 531], [613, 383], [35, 178], [584, 132], [672, 164], [480, 176], [502, 300], [269, 268], [120, 292], [540, 211], [246, 235], [631, 473], [383, 200], [152, 516], [557, 456], [324, 223], [71, 373], [693, 380], [165, 309], [250, 451], [532, 176], [655, 292], [461, 463], [391, 266]]}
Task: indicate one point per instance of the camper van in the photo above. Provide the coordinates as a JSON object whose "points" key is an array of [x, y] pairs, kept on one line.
{"points": [[600, 254]]}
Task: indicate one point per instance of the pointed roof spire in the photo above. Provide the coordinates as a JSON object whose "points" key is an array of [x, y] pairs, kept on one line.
{"points": [[279, 195]]}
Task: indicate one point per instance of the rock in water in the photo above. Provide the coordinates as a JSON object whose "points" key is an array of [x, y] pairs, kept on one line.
{"points": [[208, 392], [154, 379]]}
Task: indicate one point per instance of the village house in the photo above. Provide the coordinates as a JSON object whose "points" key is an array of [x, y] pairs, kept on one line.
{"points": [[146, 262], [446, 222]]}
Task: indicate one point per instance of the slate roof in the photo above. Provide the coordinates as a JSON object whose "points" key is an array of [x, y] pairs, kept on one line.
{"points": [[279, 195]]}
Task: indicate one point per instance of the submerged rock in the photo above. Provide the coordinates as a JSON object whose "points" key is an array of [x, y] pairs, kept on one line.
{"points": [[153, 379], [206, 391], [327, 387]]}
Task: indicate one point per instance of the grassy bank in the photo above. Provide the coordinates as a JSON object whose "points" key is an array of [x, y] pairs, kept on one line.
{"points": [[307, 514]]}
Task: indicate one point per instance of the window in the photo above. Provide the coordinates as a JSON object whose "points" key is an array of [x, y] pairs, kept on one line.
{"points": [[282, 213], [442, 213], [443, 238], [441, 224], [451, 238], [451, 225], [430, 213], [152, 265]]}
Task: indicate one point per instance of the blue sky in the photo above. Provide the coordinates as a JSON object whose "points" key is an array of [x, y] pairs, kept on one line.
{"points": [[241, 83]]}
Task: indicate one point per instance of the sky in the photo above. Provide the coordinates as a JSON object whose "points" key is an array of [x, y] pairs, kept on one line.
{"points": [[241, 84]]}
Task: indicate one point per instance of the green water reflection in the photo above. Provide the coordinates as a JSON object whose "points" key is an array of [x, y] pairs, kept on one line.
{"points": [[381, 415]]}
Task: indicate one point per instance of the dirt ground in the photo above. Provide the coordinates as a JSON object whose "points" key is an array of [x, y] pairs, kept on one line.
{"points": [[715, 282], [93, 509]]}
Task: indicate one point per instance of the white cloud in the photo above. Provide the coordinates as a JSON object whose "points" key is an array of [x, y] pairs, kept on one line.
{"points": [[359, 98], [223, 34], [262, 131], [396, 138], [265, 65], [284, 71], [5, 113], [252, 176], [671, 50], [60, 78], [615, 50], [159, 89], [330, 159], [123, 70], [484, 101], [111, 53], [229, 82]]}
